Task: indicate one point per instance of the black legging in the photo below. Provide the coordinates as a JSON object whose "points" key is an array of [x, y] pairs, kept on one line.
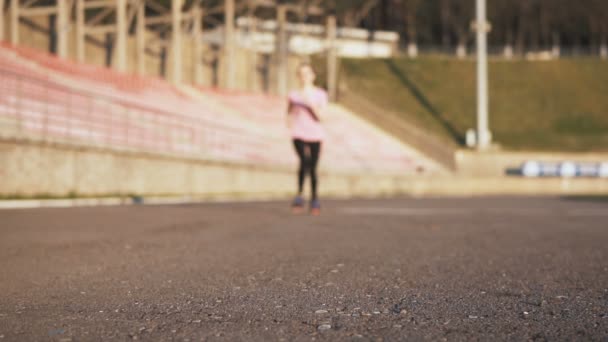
{"points": [[308, 152]]}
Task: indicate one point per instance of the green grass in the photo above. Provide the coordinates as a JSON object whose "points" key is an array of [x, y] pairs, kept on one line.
{"points": [[548, 106]]}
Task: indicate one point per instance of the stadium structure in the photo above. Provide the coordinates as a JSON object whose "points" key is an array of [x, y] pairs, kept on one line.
{"points": [[104, 93], [117, 97]]}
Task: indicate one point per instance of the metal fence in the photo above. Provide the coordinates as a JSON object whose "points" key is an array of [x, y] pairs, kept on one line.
{"points": [[498, 51]]}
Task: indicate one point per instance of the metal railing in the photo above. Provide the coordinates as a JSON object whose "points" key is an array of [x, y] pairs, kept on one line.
{"points": [[497, 52], [39, 108]]}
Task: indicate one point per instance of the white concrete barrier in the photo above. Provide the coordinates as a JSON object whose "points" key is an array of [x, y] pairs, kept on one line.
{"points": [[30, 169]]}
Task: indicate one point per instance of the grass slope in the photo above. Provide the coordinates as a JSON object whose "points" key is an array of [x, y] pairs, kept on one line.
{"points": [[556, 105]]}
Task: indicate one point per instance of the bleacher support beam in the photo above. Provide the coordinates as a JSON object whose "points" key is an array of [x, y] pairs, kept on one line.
{"points": [[229, 42], [197, 36], [1, 19], [176, 41], [38, 11], [80, 32], [62, 28], [100, 3], [14, 14], [140, 38], [61, 11], [121, 36], [332, 59], [282, 50], [252, 56]]}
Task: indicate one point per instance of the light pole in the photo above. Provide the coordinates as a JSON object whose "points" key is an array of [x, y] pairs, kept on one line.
{"points": [[482, 28]]}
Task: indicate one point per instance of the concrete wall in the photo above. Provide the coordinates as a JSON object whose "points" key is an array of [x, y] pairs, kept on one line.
{"points": [[31, 169]]}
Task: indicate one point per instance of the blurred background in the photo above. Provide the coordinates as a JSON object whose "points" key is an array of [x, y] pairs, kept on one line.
{"points": [[128, 98]]}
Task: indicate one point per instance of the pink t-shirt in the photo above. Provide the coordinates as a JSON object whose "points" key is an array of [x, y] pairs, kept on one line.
{"points": [[304, 126]]}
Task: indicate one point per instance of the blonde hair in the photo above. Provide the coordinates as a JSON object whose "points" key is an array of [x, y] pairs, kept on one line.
{"points": [[305, 65]]}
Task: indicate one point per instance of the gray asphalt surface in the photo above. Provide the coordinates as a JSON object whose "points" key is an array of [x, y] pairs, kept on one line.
{"points": [[402, 269]]}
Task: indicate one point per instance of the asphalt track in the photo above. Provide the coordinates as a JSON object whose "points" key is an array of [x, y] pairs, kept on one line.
{"points": [[512, 269]]}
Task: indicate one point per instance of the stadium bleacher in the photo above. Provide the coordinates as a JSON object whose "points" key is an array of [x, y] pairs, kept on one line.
{"points": [[51, 99]]}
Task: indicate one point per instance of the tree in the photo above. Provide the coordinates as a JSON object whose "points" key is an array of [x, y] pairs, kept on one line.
{"points": [[518, 25]]}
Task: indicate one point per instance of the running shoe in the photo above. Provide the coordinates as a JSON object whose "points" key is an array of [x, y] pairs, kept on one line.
{"points": [[315, 207], [297, 206]]}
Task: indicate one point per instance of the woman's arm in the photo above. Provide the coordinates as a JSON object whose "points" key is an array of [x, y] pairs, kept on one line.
{"points": [[316, 105], [309, 108], [314, 108]]}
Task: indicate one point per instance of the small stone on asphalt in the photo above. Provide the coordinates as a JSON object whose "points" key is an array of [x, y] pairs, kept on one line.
{"points": [[324, 327]]}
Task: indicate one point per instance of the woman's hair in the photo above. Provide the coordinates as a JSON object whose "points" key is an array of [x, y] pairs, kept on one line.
{"points": [[305, 65]]}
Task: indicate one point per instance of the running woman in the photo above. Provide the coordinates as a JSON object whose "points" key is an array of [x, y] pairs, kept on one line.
{"points": [[304, 118]]}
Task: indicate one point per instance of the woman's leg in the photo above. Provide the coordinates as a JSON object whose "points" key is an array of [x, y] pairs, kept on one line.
{"points": [[299, 146], [315, 151]]}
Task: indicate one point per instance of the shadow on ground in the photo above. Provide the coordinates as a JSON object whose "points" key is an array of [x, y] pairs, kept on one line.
{"points": [[424, 101]]}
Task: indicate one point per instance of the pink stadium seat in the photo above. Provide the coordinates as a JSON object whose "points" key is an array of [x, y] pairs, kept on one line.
{"points": [[54, 99]]}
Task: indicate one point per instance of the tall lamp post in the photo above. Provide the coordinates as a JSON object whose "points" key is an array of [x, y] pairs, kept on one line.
{"points": [[482, 27]]}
